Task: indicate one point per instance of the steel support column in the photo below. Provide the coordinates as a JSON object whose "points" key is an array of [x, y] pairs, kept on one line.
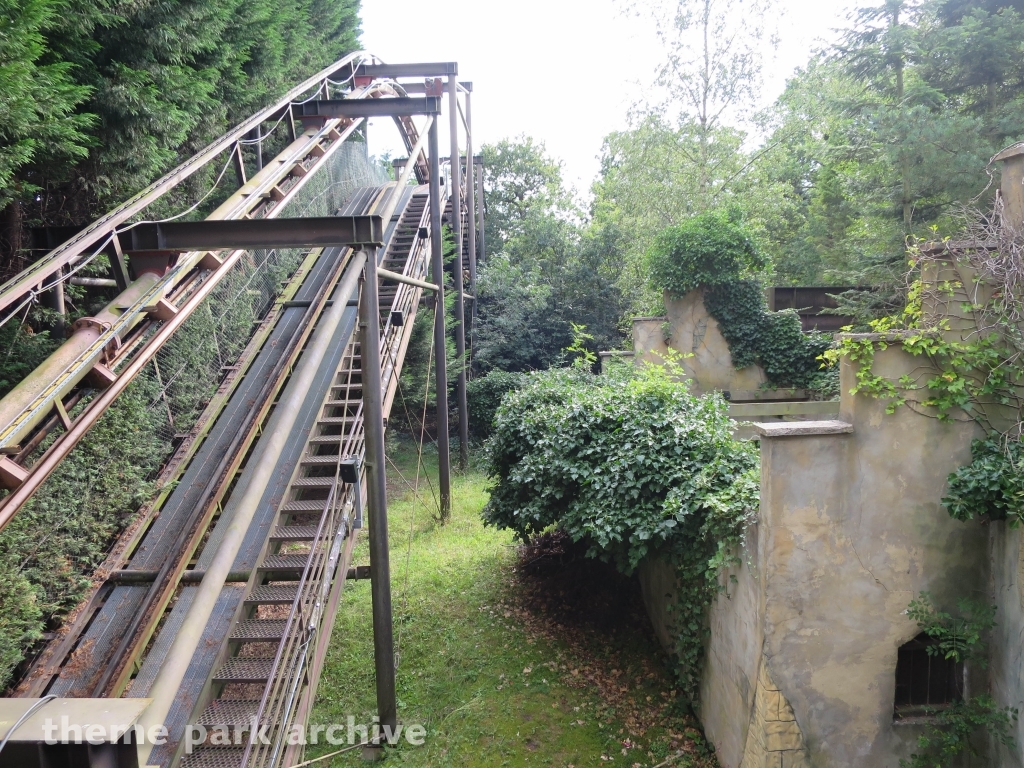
{"points": [[441, 359], [471, 201], [376, 496], [460, 298], [481, 242], [244, 503]]}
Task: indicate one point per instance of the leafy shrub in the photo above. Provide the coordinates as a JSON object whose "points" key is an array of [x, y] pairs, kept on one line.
{"points": [[714, 252], [773, 340], [959, 638], [484, 396], [706, 250], [633, 465], [992, 485]]}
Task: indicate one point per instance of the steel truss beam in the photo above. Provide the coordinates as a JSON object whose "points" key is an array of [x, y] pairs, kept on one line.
{"points": [[413, 69], [97, 234], [353, 108], [250, 234]]}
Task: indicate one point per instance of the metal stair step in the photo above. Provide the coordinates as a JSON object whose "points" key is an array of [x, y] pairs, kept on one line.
{"points": [[313, 482], [273, 594], [294, 532], [234, 713], [245, 669], [285, 562], [326, 439], [213, 757], [305, 505], [320, 460], [257, 630]]}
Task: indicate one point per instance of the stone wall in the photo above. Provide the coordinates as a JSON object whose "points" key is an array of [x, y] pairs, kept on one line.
{"points": [[688, 329], [850, 530]]}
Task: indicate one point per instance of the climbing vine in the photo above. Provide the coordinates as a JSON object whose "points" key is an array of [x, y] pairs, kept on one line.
{"points": [[773, 340], [959, 638], [964, 318], [714, 252], [634, 466]]}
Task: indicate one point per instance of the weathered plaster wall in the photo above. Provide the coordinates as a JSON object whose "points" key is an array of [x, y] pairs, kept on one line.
{"points": [[1006, 648], [694, 331], [732, 665], [850, 530]]}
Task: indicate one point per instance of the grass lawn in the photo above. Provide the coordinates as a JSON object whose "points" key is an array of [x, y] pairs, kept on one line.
{"points": [[508, 655]]}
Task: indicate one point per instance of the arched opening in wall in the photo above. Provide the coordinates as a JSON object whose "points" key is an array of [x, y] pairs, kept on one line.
{"points": [[925, 680]]}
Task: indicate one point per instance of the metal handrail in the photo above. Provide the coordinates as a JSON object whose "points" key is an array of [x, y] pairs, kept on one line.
{"points": [[300, 638]]}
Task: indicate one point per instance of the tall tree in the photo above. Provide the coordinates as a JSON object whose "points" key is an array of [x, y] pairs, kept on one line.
{"points": [[125, 90], [542, 274], [38, 98]]}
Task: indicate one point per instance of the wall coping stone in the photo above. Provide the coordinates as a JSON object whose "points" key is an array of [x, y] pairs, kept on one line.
{"points": [[802, 428]]}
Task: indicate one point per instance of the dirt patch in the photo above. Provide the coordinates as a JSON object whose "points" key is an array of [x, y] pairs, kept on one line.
{"points": [[597, 615]]}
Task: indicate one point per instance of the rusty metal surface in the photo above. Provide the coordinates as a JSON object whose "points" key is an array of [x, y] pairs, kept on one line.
{"points": [[95, 234]]}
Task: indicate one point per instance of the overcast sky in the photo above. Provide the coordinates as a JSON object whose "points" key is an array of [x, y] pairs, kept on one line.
{"points": [[562, 71]]}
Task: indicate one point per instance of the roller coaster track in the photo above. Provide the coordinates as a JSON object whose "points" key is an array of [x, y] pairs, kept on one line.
{"points": [[278, 459]]}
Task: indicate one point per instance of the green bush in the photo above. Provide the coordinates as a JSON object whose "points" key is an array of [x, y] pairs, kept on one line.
{"points": [[631, 464], [715, 252], [992, 485], [484, 396], [710, 249]]}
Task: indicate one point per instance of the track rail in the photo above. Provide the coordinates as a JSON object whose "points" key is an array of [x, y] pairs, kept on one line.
{"points": [[115, 346], [285, 586]]}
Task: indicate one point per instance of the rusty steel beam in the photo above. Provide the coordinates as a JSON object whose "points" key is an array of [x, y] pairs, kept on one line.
{"points": [[96, 234], [244, 503], [97, 339], [455, 223], [444, 472], [400, 106], [416, 69], [252, 234]]}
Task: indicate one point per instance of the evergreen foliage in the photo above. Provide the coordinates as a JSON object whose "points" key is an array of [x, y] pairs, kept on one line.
{"points": [[100, 98], [634, 466], [543, 271], [49, 549]]}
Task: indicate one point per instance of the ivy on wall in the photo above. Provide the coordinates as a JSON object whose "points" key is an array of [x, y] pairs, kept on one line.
{"points": [[978, 377], [714, 251], [633, 465], [958, 637], [704, 251], [773, 340]]}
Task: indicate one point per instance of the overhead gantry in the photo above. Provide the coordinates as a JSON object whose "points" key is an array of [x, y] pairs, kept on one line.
{"points": [[230, 579]]}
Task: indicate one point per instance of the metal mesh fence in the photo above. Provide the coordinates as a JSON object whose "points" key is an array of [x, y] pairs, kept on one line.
{"points": [[188, 369], [65, 531]]}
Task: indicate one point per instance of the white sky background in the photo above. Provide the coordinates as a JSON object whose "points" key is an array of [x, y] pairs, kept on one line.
{"points": [[563, 71]]}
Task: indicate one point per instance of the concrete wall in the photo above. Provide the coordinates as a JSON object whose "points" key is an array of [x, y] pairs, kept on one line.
{"points": [[692, 332], [800, 667], [1006, 648], [851, 530]]}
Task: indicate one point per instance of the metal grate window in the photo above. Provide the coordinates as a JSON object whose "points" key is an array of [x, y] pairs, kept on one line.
{"points": [[925, 680]]}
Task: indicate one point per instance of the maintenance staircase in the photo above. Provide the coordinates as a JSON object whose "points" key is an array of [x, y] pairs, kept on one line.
{"points": [[276, 644], [261, 649]]}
